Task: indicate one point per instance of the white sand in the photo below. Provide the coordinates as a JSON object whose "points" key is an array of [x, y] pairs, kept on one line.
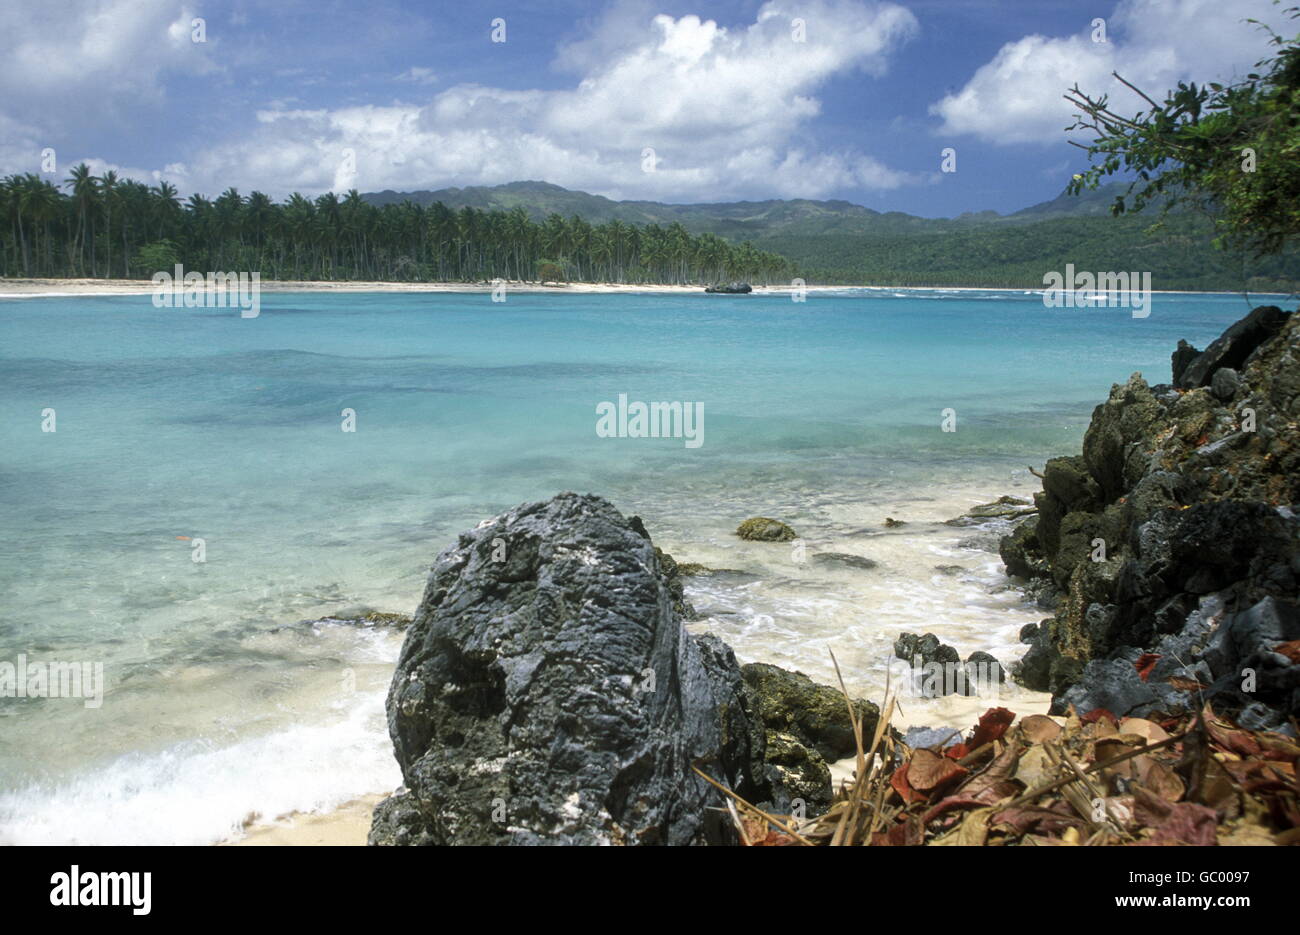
{"points": [[36, 288]]}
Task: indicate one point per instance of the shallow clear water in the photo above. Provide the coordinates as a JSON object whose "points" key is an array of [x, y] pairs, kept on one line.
{"points": [[196, 423]]}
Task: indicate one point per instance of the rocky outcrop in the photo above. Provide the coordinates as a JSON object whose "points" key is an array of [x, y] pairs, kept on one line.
{"points": [[806, 728], [1005, 507], [671, 570], [547, 693], [939, 670], [763, 529], [1174, 522], [730, 288]]}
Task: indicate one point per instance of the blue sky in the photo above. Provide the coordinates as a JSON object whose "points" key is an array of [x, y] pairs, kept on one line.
{"points": [[735, 99]]}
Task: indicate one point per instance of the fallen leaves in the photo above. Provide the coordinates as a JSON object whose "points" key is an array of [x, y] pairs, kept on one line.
{"points": [[1088, 780]]}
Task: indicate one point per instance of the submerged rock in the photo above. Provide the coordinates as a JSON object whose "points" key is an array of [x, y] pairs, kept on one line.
{"points": [[763, 529], [845, 559], [371, 618], [1004, 507]]}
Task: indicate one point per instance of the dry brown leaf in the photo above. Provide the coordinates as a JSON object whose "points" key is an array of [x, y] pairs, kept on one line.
{"points": [[1035, 767], [1147, 730], [1158, 777], [972, 832], [1039, 728], [928, 771]]}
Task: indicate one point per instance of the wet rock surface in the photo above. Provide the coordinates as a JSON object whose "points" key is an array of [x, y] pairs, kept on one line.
{"points": [[940, 670], [845, 560], [547, 693], [1173, 534], [763, 529], [807, 727]]}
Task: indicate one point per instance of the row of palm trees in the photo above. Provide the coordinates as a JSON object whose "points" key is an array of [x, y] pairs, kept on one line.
{"points": [[108, 227]]}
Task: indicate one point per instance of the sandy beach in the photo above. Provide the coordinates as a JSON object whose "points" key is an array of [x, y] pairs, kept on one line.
{"points": [[32, 288], [345, 826], [37, 288]]}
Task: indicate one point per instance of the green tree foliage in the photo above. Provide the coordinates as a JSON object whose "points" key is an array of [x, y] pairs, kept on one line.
{"points": [[109, 227], [159, 255], [1233, 150], [1177, 251]]}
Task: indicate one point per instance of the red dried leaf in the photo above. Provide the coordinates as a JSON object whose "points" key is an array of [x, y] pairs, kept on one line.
{"points": [[1291, 650], [1145, 663], [1096, 714], [928, 772], [900, 785], [1188, 824], [956, 751], [993, 724], [1231, 738], [908, 833], [948, 804]]}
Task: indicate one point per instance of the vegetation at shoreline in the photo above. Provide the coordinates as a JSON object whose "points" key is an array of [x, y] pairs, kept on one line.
{"points": [[111, 228], [1177, 252]]}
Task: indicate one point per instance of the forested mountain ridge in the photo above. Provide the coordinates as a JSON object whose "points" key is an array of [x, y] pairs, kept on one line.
{"points": [[106, 227], [837, 242]]}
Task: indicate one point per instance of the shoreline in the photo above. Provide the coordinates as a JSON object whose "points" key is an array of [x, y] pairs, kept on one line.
{"points": [[349, 824], [33, 288]]}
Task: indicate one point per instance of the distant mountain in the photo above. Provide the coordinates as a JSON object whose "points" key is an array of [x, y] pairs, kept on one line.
{"points": [[737, 220], [841, 242]]}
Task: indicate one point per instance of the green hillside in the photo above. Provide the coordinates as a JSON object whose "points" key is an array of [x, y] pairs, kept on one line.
{"points": [[838, 242], [1177, 253]]}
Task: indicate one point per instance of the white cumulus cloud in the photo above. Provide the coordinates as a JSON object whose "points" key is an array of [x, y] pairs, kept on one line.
{"points": [[1017, 97], [724, 110]]}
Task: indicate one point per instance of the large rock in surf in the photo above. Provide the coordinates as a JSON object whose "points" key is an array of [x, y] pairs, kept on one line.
{"points": [[1177, 523], [765, 529], [547, 693]]}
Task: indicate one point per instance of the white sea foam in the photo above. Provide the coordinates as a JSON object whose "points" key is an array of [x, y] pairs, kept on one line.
{"points": [[194, 793]]}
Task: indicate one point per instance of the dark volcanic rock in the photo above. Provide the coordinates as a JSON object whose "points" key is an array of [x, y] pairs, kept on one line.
{"points": [[1190, 493], [1234, 346], [937, 665], [672, 573], [1183, 355], [731, 288], [554, 697]]}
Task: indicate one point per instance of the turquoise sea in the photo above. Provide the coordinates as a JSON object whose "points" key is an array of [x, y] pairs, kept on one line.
{"points": [[175, 425]]}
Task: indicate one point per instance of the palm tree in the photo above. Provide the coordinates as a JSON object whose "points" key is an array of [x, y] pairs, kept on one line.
{"points": [[85, 191], [108, 192]]}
